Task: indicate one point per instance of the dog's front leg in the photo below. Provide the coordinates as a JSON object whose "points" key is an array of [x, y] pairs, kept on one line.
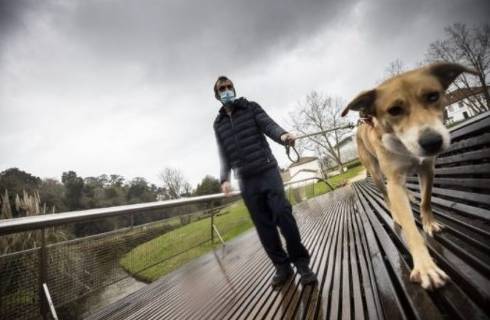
{"points": [[426, 176], [424, 270]]}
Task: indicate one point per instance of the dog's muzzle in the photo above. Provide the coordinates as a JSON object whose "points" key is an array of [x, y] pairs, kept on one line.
{"points": [[430, 141]]}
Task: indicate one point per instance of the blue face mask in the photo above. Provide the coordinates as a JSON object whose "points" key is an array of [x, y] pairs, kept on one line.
{"points": [[227, 96]]}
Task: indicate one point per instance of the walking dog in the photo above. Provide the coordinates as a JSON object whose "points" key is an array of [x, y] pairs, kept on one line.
{"points": [[401, 132]]}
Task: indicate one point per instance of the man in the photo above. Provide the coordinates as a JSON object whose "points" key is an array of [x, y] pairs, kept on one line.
{"points": [[240, 127]]}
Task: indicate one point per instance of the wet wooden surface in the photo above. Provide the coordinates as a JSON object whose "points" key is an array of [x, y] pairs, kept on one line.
{"points": [[359, 254], [233, 282]]}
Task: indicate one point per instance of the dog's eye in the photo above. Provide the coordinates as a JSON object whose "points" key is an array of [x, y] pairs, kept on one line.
{"points": [[395, 111], [432, 96]]}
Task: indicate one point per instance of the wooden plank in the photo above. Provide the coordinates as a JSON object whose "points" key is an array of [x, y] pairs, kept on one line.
{"points": [[417, 299], [368, 278], [472, 128], [388, 296], [326, 275], [473, 142], [275, 299], [313, 293], [459, 208], [477, 155], [475, 284], [465, 169], [299, 305], [357, 297], [334, 303], [297, 295], [463, 230], [266, 291], [476, 183], [463, 196], [346, 270], [223, 305]]}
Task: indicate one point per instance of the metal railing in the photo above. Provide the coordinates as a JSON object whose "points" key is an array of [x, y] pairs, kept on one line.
{"points": [[52, 275], [300, 193], [77, 267], [54, 219]]}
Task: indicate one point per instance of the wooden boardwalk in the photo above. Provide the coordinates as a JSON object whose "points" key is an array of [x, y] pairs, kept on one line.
{"points": [[362, 270], [358, 253], [233, 283]]}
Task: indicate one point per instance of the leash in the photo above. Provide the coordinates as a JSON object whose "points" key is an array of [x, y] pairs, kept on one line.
{"points": [[289, 146]]}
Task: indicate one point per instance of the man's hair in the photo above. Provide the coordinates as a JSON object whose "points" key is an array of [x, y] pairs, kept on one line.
{"points": [[221, 79]]}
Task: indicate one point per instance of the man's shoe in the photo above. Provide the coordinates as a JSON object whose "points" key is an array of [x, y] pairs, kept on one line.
{"points": [[307, 276], [283, 272]]}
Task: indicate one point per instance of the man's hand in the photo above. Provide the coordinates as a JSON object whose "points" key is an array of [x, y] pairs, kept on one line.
{"points": [[226, 188], [288, 139]]}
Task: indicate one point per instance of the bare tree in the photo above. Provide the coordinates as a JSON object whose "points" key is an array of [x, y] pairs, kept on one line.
{"points": [[186, 189], [319, 113], [174, 182], [470, 47], [394, 68]]}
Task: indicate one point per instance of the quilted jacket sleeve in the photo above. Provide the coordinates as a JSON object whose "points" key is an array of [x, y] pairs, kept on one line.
{"points": [[267, 125]]}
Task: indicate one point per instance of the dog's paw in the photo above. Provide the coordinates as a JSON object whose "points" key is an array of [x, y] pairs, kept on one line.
{"points": [[428, 275], [431, 226]]}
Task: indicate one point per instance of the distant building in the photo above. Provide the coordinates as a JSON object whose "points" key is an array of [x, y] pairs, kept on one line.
{"points": [[456, 110], [348, 148], [305, 168], [348, 152]]}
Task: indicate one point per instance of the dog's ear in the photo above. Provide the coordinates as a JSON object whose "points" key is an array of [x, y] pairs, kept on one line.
{"points": [[364, 103], [447, 72]]}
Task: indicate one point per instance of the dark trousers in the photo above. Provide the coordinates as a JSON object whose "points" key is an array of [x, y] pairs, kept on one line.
{"points": [[269, 208]]}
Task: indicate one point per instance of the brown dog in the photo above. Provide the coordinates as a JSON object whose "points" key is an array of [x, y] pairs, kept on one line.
{"points": [[402, 133]]}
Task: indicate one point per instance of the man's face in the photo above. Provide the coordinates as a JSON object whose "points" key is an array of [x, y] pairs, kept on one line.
{"points": [[226, 92], [225, 85]]}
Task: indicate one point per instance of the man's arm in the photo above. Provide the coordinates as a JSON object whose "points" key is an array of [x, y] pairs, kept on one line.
{"points": [[224, 164], [267, 125]]}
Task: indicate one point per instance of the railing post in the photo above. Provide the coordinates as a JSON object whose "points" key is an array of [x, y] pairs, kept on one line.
{"points": [[43, 274], [212, 223]]}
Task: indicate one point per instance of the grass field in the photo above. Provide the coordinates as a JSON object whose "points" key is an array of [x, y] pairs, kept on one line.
{"points": [[321, 188], [183, 244], [173, 247]]}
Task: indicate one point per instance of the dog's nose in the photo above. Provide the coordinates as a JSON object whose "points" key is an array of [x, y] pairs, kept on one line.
{"points": [[430, 141]]}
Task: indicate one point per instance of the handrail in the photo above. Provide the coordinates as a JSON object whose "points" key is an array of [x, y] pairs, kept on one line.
{"points": [[312, 178], [302, 180], [8, 226]]}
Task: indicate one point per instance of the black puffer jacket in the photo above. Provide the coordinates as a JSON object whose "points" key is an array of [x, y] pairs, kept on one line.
{"points": [[241, 141]]}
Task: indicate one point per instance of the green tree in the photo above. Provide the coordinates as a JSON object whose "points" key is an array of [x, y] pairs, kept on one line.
{"points": [[73, 189], [115, 192], [208, 185], [16, 181], [51, 192], [140, 191], [93, 191]]}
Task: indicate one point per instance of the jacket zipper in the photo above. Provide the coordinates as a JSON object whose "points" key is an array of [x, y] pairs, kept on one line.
{"points": [[236, 141], [234, 137]]}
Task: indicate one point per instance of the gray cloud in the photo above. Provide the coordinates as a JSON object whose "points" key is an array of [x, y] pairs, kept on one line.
{"points": [[11, 16], [182, 39]]}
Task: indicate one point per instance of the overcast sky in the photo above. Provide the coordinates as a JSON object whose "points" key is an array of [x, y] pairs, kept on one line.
{"points": [[125, 87]]}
